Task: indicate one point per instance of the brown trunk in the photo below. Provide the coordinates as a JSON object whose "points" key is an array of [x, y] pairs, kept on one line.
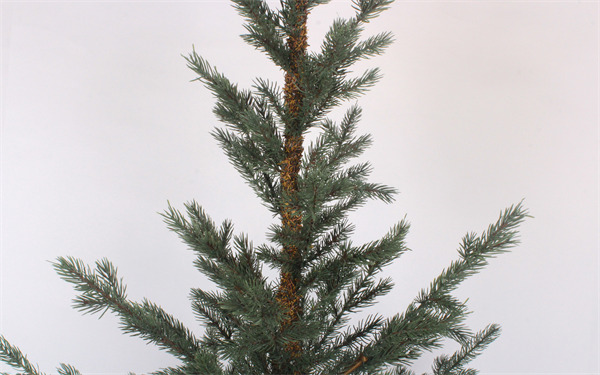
{"points": [[291, 215]]}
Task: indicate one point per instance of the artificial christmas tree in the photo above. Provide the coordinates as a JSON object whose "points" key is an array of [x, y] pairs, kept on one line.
{"points": [[297, 324]]}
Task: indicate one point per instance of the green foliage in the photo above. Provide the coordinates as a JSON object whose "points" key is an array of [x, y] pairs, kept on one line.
{"points": [[67, 370], [471, 348], [243, 321], [11, 355], [101, 291]]}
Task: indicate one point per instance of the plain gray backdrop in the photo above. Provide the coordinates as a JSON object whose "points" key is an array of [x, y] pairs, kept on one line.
{"points": [[482, 104]]}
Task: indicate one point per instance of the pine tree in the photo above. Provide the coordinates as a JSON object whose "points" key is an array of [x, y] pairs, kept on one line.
{"points": [[297, 324]]}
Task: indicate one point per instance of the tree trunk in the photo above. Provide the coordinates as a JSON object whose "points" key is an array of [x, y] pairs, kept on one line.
{"points": [[291, 215]]}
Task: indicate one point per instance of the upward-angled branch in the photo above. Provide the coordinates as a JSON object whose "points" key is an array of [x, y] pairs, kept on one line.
{"points": [[265, 30], [65, 369], [102, 291], [470, 349], [327, 84], [12, 356], [435, 314], [476, 251]]}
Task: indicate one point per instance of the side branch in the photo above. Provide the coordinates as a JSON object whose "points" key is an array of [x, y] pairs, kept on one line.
{"points": [[103, 291], [435, 313], [14, 357], [359, 362]]}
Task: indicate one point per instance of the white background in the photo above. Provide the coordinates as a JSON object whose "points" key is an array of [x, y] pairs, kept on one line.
{"points": [[482, 104]]}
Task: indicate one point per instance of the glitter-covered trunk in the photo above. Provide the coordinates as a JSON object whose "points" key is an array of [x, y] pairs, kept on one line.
{"points": [[291, 214]]}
